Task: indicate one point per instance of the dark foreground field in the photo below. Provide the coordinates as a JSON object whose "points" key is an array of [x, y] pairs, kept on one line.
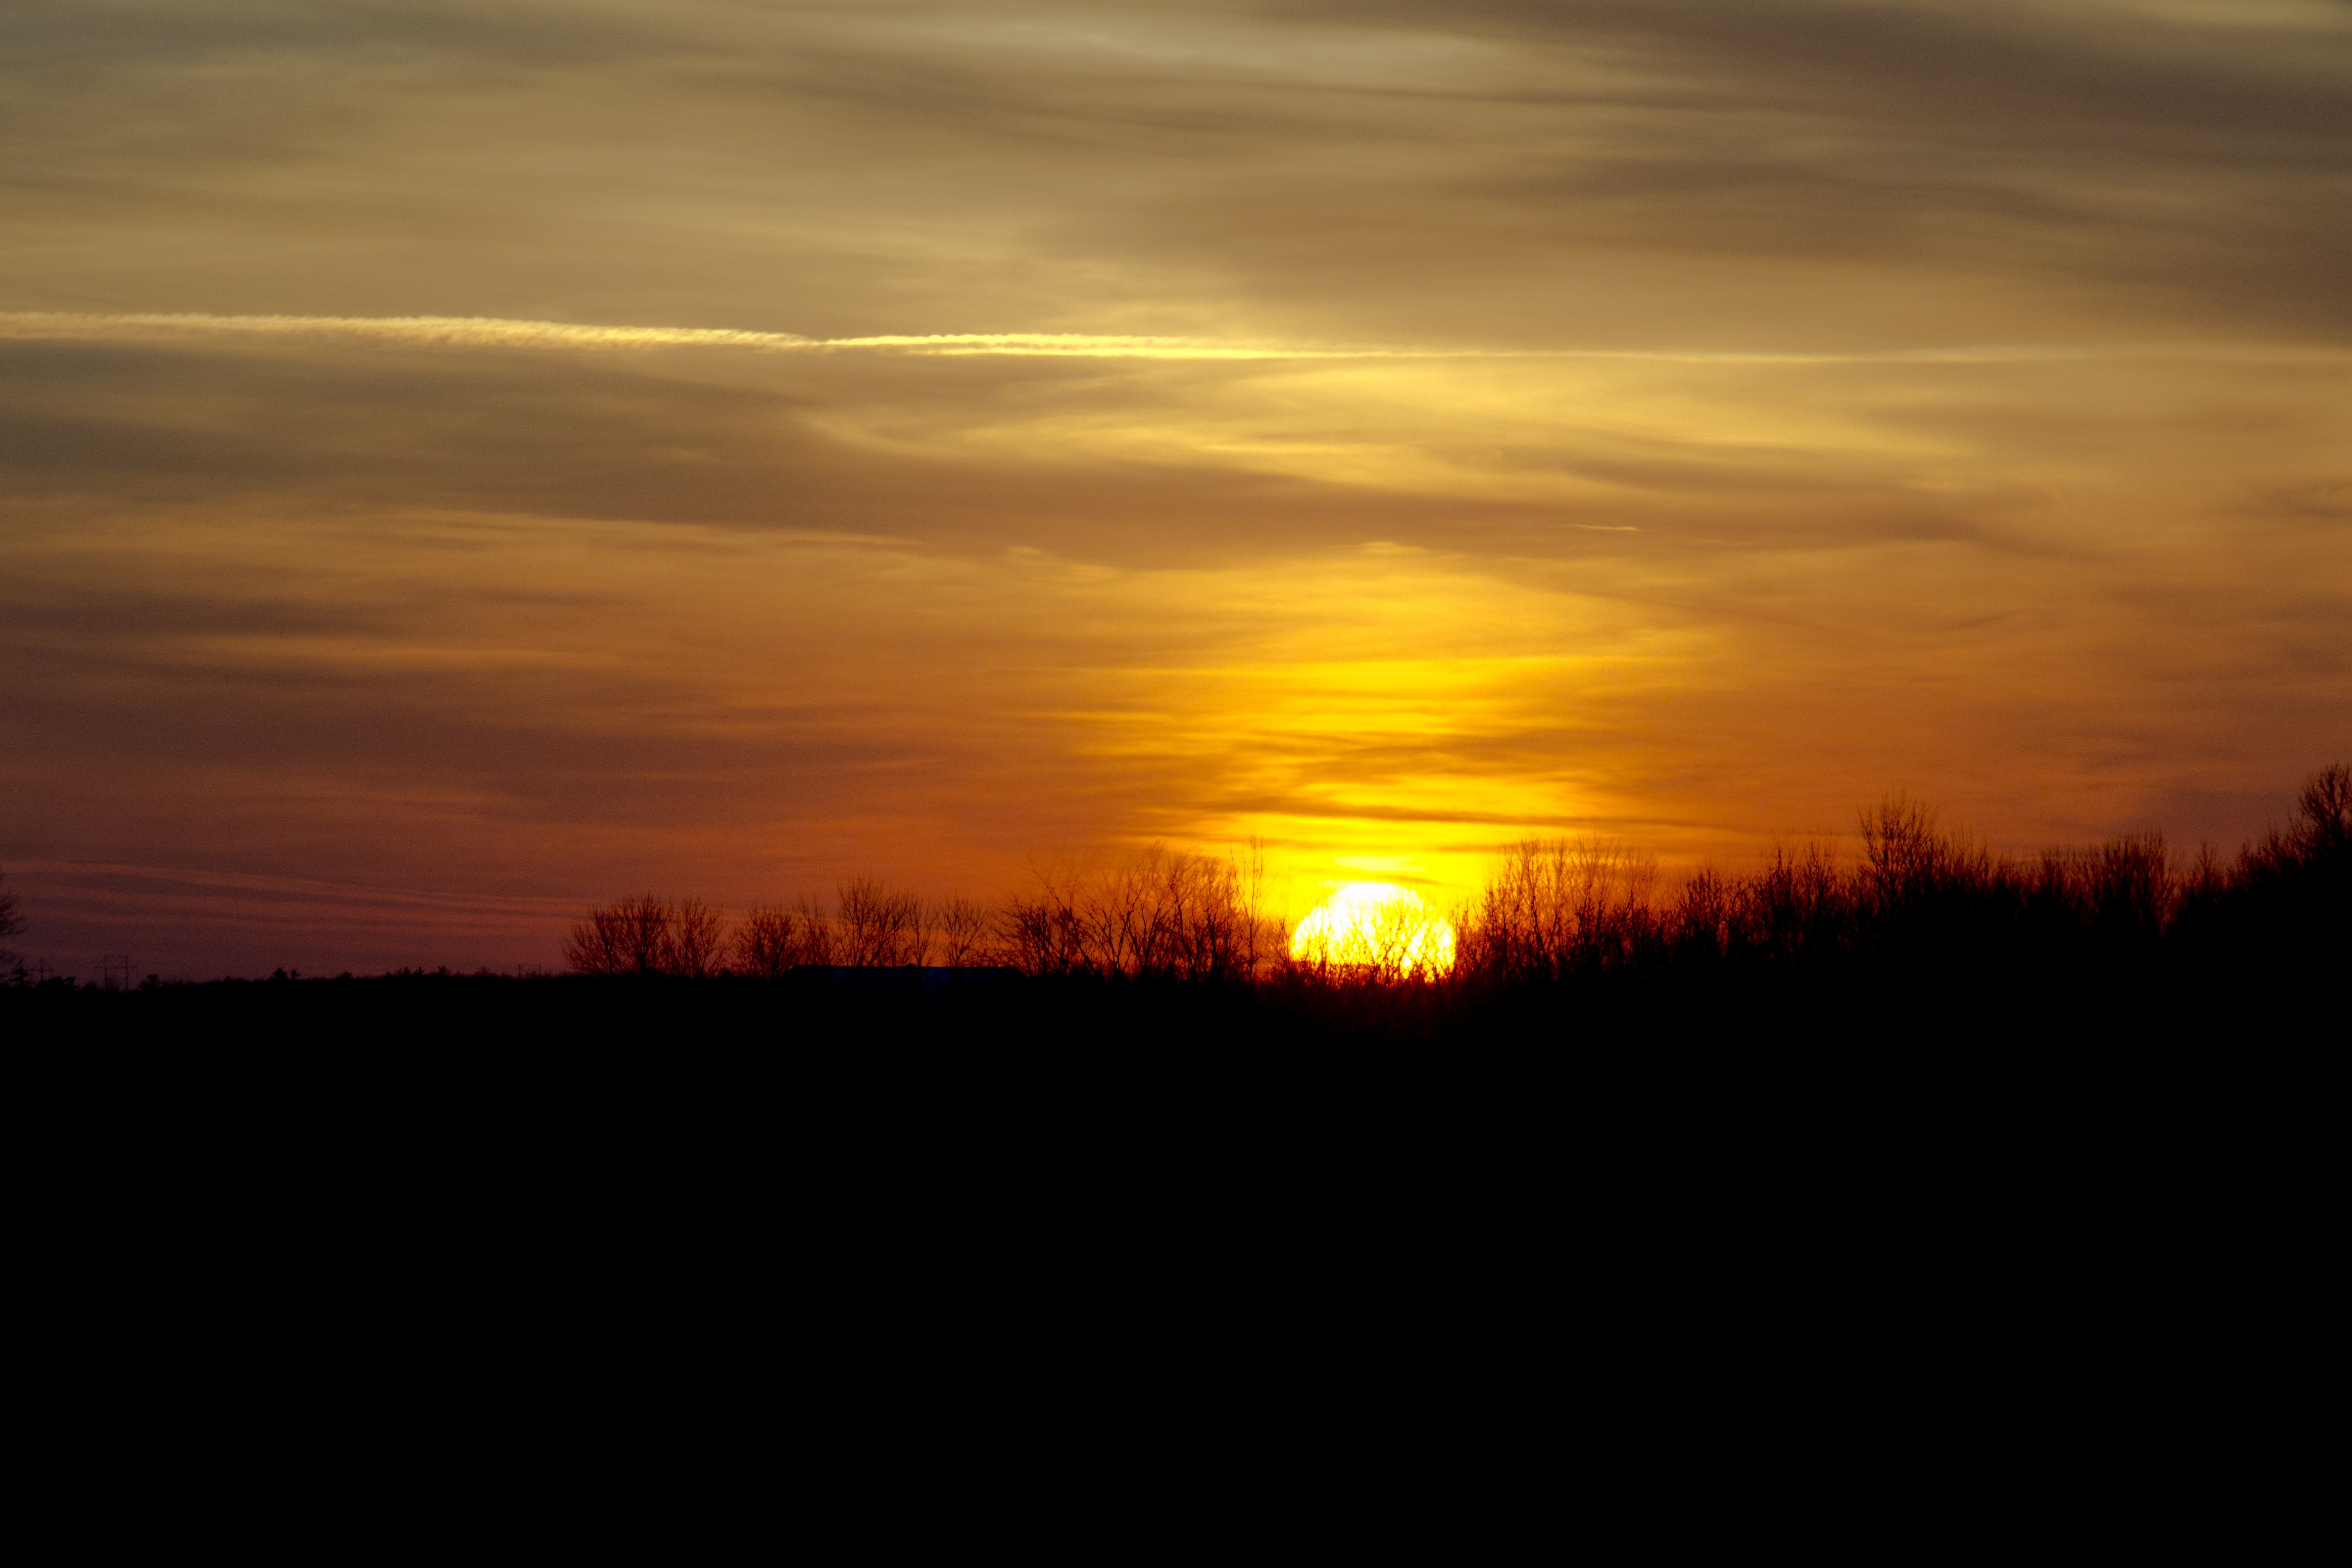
{"points": [[2155, 1000], [849, 1232], [2134, 1116]]}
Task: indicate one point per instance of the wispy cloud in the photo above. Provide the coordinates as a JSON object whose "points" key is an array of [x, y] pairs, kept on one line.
{"points": [[457, 331], [1381, 428], [492, 332]]}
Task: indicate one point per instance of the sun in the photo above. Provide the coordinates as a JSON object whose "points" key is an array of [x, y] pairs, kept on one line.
{"points": [[1375, 926]]}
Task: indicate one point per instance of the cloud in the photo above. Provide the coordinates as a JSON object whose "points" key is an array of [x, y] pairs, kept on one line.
{"points": [[476, 332], [527, 451], [1705, 176], [480, 332]]}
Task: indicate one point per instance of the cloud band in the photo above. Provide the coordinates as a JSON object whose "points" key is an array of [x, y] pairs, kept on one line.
{"points": [[491, 331]]}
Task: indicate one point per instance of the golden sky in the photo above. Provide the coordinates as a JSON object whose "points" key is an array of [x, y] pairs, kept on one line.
{"points": [[458, 461]]}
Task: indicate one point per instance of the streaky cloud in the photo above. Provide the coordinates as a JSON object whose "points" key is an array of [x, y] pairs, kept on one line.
{"points": [[490, 331], [460, 332]]}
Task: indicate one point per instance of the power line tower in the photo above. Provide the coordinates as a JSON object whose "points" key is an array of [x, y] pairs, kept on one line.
{"points": [[114, 972]]}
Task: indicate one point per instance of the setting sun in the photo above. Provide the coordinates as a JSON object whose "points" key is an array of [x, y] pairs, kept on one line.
{"points": [[1378, 926]]}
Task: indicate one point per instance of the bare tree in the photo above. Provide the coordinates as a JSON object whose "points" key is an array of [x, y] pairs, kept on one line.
{"points": [[820, 937], [11, 923], [1046, 930], [914, 947], [2133, 888], [1800, 902], [648, 935], [630, 937], [1376, 940], [696, 943], [1553, 906], [879, 925], [1263, 940], [771, 941], [1704, 917], [2326, 807], [2322, 827], [962, 925], [1157, 911]]}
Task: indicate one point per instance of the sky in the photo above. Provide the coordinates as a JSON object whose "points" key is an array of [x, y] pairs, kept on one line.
{"points": [[459, 462]]}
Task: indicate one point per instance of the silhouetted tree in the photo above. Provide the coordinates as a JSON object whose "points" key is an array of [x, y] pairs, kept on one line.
{"points": [[1552, 908], [1155, 911], [771, 941], [2288, 901], [961, 927], [1706, 915], [1800, 905], [820, 938], [2326, 809], [696, 943], [630, 937], [1376, 943], [11, 923], [649, 935], [1045, 932], [879, 925], [2320, 832]]}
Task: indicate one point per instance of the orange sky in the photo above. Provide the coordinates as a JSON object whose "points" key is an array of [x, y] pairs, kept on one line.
{"points": [[457, 462]]}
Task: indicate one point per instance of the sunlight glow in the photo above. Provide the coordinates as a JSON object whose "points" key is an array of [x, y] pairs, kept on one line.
{"points": [[1375, 926]]}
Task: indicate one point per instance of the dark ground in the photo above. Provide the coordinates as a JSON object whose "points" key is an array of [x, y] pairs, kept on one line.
{"points": [[1021, 1255], [2135, 1126]]}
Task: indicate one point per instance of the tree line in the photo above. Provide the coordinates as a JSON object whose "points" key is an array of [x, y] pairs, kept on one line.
{"points": [[1555, 909], [1157, 911], [1917, 892]]}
